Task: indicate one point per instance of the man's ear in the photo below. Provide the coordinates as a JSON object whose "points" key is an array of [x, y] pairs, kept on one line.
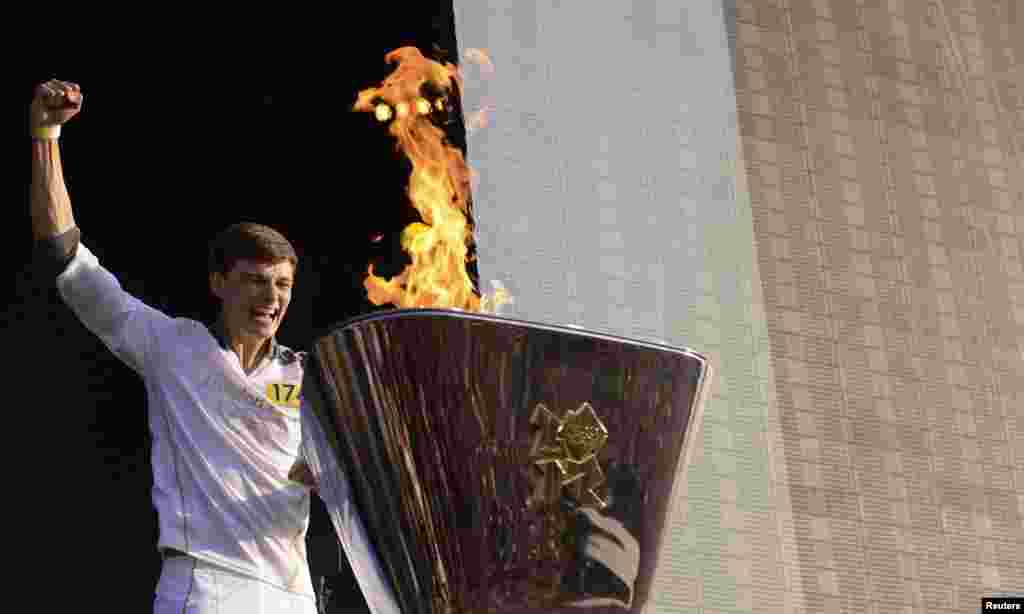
{"points": [[217, 284]]}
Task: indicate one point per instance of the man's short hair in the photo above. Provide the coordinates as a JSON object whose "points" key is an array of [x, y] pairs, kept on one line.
{"points": [[248, 241]]}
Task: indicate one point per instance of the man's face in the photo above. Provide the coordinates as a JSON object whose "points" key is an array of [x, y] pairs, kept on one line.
{"points": [[255, 297]]}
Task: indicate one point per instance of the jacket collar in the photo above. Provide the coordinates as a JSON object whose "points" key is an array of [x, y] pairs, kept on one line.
{"points": [[219, 332]]}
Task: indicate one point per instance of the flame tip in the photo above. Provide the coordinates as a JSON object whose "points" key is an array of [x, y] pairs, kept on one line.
{"points": [[438, 189]]}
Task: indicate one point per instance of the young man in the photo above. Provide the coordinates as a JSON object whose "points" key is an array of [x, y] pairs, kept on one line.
{"points": [[223, 400]]}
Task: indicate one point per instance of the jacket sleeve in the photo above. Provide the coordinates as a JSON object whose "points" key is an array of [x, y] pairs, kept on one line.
{"points": [[126, 325], [51, 256], [351, 531]]}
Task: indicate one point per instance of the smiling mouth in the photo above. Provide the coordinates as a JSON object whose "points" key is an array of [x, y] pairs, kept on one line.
{"points": [[268, 315]]}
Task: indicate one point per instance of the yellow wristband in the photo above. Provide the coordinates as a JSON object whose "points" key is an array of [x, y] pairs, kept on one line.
{"points": [[46, 133]]}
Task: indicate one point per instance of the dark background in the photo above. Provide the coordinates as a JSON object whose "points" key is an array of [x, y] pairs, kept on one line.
{"points": [[190, 123]]}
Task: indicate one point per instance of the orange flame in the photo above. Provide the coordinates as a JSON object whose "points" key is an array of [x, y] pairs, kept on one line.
{"points": [[481, 58], [438, 188], [479, 118]]}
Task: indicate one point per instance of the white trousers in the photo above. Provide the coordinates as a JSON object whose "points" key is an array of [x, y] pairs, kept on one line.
{"points": [[189, 586]]}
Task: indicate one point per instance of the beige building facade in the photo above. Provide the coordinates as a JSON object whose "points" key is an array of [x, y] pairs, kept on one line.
{"points": [[882, 143]]}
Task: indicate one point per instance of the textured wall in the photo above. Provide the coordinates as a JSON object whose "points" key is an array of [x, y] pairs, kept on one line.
{"points": [[882, 142]]}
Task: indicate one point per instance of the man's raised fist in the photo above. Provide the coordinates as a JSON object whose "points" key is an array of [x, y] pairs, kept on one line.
{"points": [[55, 103]]}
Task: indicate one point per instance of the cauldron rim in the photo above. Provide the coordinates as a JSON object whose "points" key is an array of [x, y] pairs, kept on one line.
{"points": [[578, 331]]}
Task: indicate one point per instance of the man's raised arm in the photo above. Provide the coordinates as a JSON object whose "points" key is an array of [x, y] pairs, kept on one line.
{"points": [[125, 325], [54, 104]]}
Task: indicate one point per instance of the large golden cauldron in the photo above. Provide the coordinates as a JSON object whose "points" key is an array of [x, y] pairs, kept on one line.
{"points": [[502, 466]]}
